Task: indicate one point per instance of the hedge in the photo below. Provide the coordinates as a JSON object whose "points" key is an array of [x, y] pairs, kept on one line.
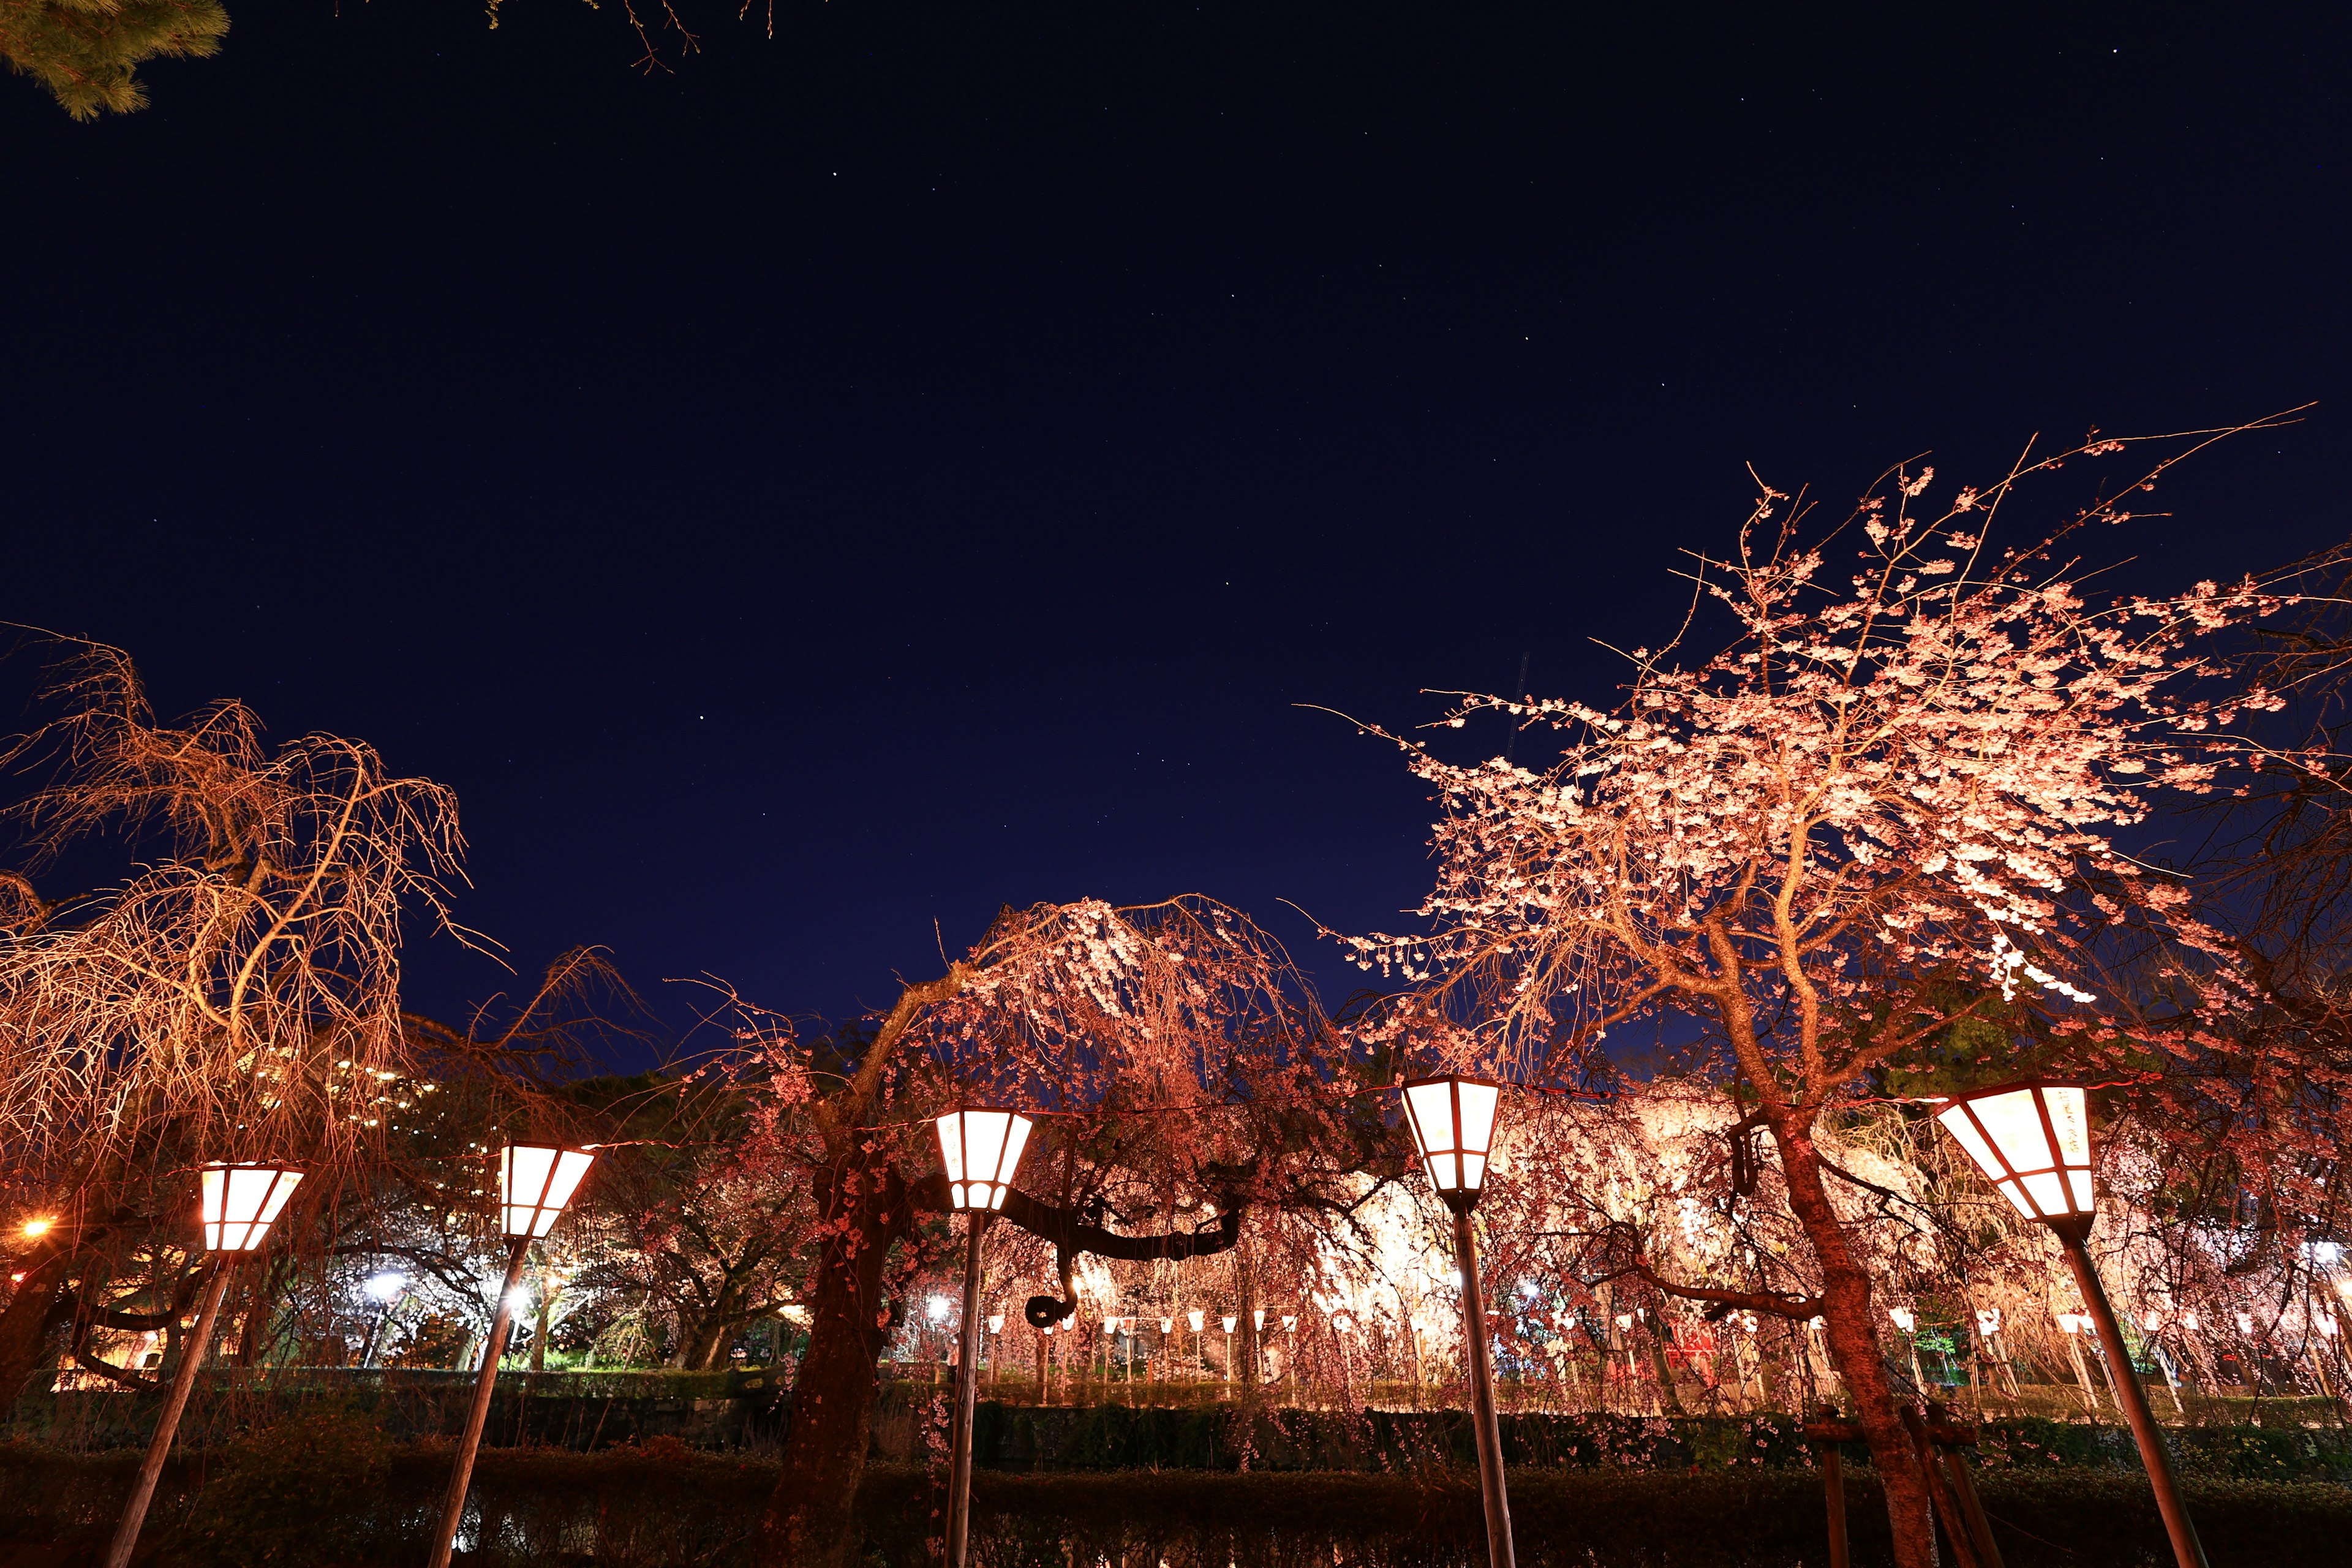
{"points": [[331, 1495]]}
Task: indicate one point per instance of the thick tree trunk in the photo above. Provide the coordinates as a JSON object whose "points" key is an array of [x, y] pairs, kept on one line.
{"points": [[704, 1348], [1853, 1339], [30, 1325], [809, 1522]]}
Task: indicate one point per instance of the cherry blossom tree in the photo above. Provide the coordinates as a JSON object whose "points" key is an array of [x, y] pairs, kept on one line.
{"points": [[1171, 1054], [1898, 799]]}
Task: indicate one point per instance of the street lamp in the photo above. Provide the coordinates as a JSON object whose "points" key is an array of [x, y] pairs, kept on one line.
{"points": [[237, 1204], [536, 1182], [2033, 1141], [980, 1149], [1452, 1123]]}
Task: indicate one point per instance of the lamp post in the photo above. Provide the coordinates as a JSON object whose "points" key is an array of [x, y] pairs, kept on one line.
{"points": [[2032, 1141], [980, 1149], [1230, 1319], [1198, 1317], [1452, 1122], [238, 1204], [535, 1182]]}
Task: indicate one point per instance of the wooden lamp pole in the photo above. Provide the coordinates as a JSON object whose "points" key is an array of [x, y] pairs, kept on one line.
{"points": [[980, 1149], [239, 1205], [535, 1182], [2033, 1141], [1452, 1122]]}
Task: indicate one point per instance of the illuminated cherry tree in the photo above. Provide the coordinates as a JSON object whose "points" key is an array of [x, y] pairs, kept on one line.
{"points": [[1895, 801], [1166, 1048]]}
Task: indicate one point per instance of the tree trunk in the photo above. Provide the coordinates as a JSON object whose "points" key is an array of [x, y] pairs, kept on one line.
{"points": [[705, 1349], [809, 1522], [1852, 1336], [28, 1326]]}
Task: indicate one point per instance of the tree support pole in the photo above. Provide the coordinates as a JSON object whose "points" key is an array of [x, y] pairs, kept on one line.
{"points": [[453, 1505], [1481, 1396], [967, 1394], [159, 1448], [2186, 1549]]}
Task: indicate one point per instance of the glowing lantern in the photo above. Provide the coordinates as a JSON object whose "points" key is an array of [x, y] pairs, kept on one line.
{"points": [[981, 1148], [996, 1322], [1987, 1320], [535, 1182], [1289, 1323], [1196, 1317], [1905, 1318], [1452, 1122], [1167, 1325], [240, 1202], [2032, 1141]]}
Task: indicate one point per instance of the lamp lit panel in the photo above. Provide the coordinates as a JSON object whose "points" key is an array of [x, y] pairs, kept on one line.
{"points": [[240, 1203], [1477, 1124]]}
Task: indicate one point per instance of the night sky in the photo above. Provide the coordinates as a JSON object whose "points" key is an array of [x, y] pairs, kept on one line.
{"points": [[922, 462]]}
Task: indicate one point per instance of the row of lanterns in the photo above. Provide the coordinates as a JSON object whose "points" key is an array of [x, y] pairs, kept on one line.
{"points": [[2031, 1139], [236, 1206]]}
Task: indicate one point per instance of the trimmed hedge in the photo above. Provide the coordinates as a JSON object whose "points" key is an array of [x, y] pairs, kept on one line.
{"points": [[331, 1496], [1117, 1437]]}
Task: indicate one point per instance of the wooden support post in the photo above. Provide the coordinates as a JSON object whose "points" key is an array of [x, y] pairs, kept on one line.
{"points": [[1938, 1489], [1834, 1494]]}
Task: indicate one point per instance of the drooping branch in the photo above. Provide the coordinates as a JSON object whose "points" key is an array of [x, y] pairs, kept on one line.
{"points": [[1071, 1234]]}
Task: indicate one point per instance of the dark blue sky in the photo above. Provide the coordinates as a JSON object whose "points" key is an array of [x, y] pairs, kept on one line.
{"points": [[919, 463]]}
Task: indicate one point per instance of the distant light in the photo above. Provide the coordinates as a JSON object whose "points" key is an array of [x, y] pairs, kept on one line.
{"points": [[518, 1298], [938, 1305], [1527, 1287], [38, 1226], [385, 1287]]}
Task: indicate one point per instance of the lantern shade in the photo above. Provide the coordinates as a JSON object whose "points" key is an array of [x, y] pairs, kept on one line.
{"points": [[2033, 1141], [1452, 1122], [535, 1182], [1196, 1318], [1230, 1321], [240, 1202], [980, 1149]]}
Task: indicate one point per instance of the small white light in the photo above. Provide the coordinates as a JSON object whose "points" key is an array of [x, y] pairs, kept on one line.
{"points": [[939, 1305], [1231, 1320], [518, 1300], [1905, 1318], [1196, 1317], [996, 1322], [384, 1287]]}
